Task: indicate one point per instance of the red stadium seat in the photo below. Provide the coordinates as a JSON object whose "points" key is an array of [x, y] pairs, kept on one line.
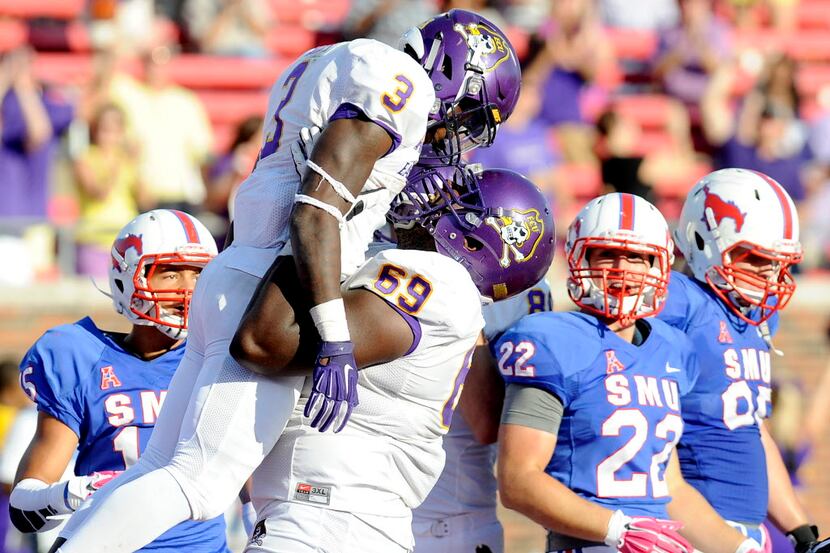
{"points": [[290, 40], [12, 34], [30, 9], [197, 71], [812, 45], [812, 78], [632, 44], [649, 110], [813, 14], [584, 181], [230, 107], [63, 68]]}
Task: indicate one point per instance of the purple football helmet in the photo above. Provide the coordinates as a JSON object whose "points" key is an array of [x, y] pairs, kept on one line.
{"points": [[496, 223], [476, 76]]}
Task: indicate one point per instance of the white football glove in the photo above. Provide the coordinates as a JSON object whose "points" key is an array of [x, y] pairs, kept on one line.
{"points": [[301, 148], [78, 488]]}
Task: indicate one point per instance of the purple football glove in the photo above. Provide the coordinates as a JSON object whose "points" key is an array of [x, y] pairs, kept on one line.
{"points": [[334, 391]]}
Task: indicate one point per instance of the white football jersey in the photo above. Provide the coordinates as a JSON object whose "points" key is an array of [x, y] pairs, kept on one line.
{"points": [[389, 455], [467, 483], [362, 78]]}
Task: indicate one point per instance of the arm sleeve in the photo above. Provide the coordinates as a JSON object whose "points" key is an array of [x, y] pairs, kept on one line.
{"points": [[532, 407], [48, 374], [525, 356]]}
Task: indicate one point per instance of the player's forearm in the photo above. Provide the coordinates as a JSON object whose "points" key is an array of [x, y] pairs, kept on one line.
{"points": [[784, 508], [701, 523], [548, 502], [315, 241]]}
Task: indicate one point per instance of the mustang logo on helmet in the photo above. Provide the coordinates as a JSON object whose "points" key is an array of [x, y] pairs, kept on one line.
{"points": [[484, 41], [122, 245], [520, 233], [722, 209]]}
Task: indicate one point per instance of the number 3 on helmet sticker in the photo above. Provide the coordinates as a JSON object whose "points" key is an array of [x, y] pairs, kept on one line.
{"points": [[396, 101]]}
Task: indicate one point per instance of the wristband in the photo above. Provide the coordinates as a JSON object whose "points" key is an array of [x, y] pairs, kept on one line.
{"points": [[330, 319]]}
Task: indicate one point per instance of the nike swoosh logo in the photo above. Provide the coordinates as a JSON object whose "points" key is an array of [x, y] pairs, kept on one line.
{"points": [[670, 369]]}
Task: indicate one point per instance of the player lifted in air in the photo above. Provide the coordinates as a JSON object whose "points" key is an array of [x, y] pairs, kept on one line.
{"points": [[460, 511], [312, 203], [594, 398], [739, 234], [100, 392], [415, 313]]}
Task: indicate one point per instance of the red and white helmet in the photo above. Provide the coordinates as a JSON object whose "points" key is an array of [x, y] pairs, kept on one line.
{"points": [[738, 208], [158, 237], [624, 222]]}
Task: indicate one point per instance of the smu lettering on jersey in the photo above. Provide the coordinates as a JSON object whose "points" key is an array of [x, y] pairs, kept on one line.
{"points": [[82, 377], [467, 483], [721, 452], [622, 403], [389, 455], [361, 78]]}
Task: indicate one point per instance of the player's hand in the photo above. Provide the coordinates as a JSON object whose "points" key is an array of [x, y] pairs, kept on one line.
{"points": [[81, 487], [334, 390], [804, 538], [301, 149], [645, 535], [749, 546]]}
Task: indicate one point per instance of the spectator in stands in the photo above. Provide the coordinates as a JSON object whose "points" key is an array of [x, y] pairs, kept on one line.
{"points": [[386, 20], [776, 87], [31, 120], [524, 146], [814, 219], [760, 142], [228, 27], [623, 167], [650, 15], [175, 136], [573, 51], [227, 172], [109, 191], [689, 53]]}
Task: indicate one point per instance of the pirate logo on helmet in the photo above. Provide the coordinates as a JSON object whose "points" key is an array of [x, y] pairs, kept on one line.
{"points": [[488, 47], [520, 233]]}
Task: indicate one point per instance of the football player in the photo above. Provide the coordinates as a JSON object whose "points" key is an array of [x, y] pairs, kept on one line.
{"points": [[593, 403], [311, 204], [460, 511], [100, 392], [738, 232], [415, 314]]}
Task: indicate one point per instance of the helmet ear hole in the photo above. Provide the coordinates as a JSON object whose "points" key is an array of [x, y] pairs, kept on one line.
{"points": [[119, 284], [699, 242], [473, 244]]}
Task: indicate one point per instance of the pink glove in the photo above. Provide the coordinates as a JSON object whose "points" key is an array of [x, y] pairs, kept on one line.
{"points": [[645, 535], [749, 546]]}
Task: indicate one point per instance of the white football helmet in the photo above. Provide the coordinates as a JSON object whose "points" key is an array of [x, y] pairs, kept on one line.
{"points": [[158, 237], [624, 222], [734, 209]]}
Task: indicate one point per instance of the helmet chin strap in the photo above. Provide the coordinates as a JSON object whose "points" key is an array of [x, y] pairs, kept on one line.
{"points": [[95, 284]]}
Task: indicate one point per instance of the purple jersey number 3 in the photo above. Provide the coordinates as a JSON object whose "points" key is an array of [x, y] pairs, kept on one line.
{"points": [[290, 83]]}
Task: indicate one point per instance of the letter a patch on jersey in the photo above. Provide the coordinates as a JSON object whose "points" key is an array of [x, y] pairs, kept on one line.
{"points": [[612, 364], [108, 378], [723, 336]]}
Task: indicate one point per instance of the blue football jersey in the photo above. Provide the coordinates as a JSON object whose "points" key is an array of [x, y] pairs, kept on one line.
{"points": [[621, 403], [110, 398], [721, 452]]}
